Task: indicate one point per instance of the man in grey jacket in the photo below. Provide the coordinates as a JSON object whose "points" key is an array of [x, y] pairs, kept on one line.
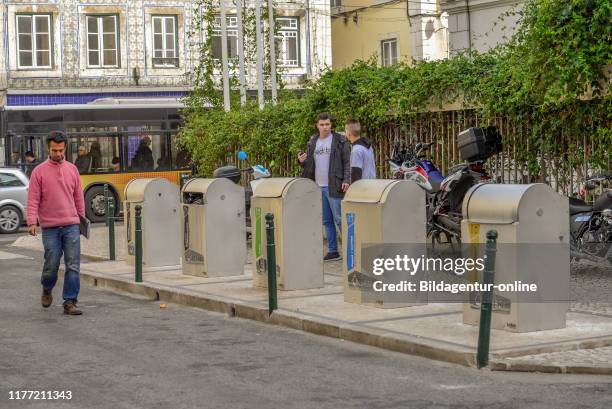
{"points": [[327, 161]]}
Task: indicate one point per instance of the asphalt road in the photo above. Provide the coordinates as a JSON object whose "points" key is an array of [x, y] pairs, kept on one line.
{"points": [[129, 353]]}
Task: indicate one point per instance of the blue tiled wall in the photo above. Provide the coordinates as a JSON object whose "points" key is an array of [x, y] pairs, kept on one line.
{"points": [[55, 99]]}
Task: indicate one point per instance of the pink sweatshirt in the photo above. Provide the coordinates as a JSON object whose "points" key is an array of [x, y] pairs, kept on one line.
{"points": [[55, 195]]}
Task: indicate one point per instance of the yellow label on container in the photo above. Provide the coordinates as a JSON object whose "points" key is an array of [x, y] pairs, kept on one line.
{"points": [[474, 233]]}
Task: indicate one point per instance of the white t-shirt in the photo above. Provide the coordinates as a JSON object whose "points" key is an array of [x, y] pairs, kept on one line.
{"points": [[322, 154], [362, 157]]}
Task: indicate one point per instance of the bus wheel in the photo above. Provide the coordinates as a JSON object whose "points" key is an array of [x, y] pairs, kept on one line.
{"points": [[95, 205]]}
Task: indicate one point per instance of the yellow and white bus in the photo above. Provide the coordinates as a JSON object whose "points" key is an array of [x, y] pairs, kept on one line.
{"points": [[110, 144]]}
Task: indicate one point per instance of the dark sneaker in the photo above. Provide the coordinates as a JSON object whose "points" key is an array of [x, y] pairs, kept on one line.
{"points": [[46, 298], [332, 256], [70, 308]]}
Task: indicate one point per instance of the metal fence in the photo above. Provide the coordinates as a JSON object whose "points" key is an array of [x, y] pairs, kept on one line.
{"points": [[509, 166], [442, 127]]}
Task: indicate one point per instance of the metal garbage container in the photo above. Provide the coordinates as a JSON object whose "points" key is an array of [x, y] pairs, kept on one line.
{"points": [[532, 222], [381, 213], [213, 228], [161, 230], [296, 206]]}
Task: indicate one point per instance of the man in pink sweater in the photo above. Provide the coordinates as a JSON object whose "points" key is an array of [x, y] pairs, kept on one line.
{"points": [[55, 200]]}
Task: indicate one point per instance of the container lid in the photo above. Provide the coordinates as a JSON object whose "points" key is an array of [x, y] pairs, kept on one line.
{"points": [[209, 187], [199, 185], [369, 190], [273, 187], [502, 204], [135, 189]]}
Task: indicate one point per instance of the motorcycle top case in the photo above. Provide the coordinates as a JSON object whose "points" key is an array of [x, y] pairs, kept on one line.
{"points": [[230, 172], [479, 143]]}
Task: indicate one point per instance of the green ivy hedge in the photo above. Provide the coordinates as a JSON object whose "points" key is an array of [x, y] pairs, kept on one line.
{"points": [[553, 74]]}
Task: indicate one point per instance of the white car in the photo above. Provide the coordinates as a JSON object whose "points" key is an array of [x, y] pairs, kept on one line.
{"points": [[13, 199]]}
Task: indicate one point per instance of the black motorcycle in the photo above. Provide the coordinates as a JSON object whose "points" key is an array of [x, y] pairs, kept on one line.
{"points": [[591, 225], [445, 194]]}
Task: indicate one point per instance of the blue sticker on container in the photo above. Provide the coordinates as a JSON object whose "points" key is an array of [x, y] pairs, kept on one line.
{"points": [[350, 242]]}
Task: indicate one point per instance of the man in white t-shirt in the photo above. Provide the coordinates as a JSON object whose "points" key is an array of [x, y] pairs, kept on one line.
{"points": [[363, 164], [327, 162]]}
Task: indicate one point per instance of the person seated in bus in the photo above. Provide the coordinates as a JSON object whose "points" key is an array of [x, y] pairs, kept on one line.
{"points": [[95, 153], [31, 163], [15, 158], [143, 158], [83, 160], [182, 159], [116, 164]]}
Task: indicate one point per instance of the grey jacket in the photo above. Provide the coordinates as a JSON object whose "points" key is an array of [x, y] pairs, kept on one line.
{"points": [[339, 163]]}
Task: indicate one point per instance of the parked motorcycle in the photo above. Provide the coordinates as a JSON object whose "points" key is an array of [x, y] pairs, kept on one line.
{"points": [[445, 194], [409, 163], [591, 225]]}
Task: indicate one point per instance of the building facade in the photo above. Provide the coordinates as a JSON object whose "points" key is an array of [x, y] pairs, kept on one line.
{"points": [[479, 24], [405, 30], [392, 31], [363, 29], [93, 64]]}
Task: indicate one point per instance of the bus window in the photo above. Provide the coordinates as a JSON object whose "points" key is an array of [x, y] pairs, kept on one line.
{"points": [[180, 156], [148, 150], [25, 152], [93, 154], [15, 149], [37, 146], [142, 157], [163, 163], [116, 164], [139, 147], [164, 156]]}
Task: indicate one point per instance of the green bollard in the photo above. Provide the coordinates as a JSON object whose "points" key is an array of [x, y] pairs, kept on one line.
{"points": [[106, 202], [110, 219], [271, 261], [486, 310], [138, 244]]}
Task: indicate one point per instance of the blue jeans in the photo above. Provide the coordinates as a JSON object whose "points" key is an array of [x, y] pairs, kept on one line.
{"points": [[332, 217], [64, 240]]}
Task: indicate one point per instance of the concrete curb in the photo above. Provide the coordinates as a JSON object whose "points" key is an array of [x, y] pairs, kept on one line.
{"points": [[562, 369], [284, 318], [93, 258], [588, 344], [411, 345]]}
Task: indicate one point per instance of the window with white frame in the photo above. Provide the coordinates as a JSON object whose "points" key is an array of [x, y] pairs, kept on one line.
{"points": [[232, 37], [34, 41], [165, 42], [102, 41], [288, 41], [388, 51]]}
